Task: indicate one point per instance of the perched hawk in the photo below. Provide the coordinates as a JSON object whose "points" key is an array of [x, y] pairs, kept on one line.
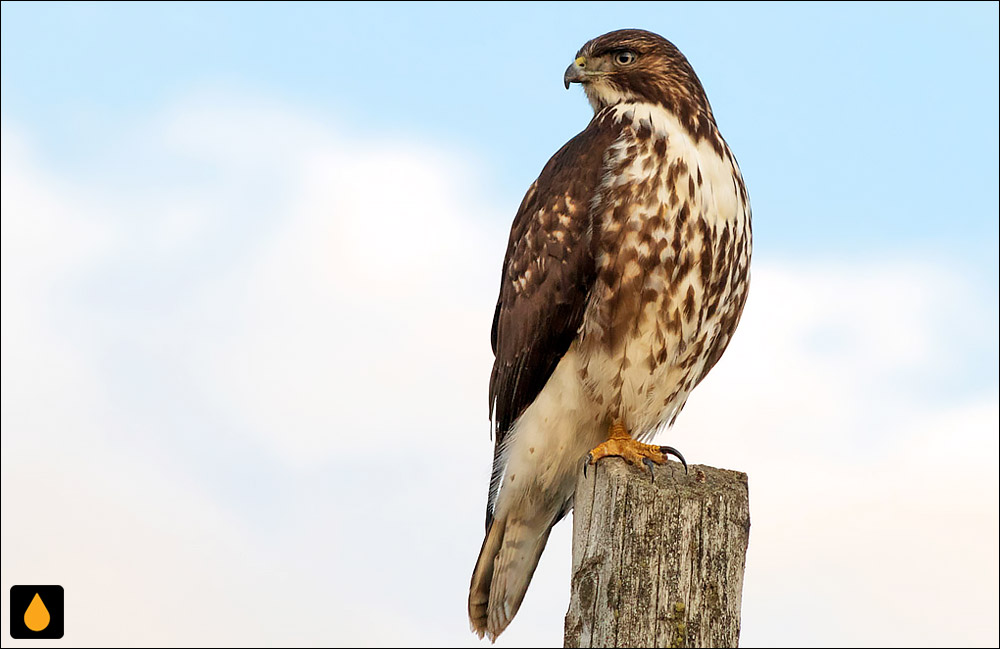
{"points": [[624, 279]]}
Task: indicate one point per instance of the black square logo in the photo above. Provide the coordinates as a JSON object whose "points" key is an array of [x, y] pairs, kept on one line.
{"points": [[36, 612]]}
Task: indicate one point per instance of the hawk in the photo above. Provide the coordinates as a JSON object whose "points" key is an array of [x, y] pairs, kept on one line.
{"points": [[626, 272]]}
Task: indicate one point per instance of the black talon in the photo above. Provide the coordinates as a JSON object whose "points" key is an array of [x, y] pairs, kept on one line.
{"points": [[670, 450], [590, 458], [649, 463]]}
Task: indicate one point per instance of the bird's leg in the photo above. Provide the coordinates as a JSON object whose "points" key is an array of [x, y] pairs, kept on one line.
{"points": [[621, 444]]}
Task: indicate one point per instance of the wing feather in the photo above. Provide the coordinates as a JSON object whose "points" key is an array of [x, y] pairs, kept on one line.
{"points": [[547, 275]]}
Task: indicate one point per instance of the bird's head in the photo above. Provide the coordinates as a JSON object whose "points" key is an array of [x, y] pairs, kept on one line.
{"points": [[632, 65]]}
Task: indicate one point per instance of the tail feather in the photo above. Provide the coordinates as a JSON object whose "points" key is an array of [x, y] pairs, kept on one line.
{"points": [[506, 564], [482, 576]]}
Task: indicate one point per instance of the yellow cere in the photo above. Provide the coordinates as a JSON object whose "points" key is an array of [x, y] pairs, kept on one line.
{"points": [[580, 60]]}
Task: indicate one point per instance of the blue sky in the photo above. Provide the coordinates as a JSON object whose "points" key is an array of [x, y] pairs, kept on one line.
{"points": [[858, 128], [232, 232]]}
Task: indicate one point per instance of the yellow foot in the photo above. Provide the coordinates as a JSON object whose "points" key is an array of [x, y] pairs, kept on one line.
{"points": [[621, 444]]}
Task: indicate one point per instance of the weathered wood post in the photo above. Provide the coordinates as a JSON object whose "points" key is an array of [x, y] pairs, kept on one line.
{"points": [[657, 563]]}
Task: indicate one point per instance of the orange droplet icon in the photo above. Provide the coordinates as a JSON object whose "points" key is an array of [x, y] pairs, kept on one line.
{"points": [[36, 617]]}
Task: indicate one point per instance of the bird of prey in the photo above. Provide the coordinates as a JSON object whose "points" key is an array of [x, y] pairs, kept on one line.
{"points": [[626, 272]]}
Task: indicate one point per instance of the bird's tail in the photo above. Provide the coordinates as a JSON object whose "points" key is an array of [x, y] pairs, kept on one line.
{"points": [[506, 563]]}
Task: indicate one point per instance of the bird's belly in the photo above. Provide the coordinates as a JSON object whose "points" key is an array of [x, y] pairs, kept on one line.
{"points": [[672, 248], [645, 380]]}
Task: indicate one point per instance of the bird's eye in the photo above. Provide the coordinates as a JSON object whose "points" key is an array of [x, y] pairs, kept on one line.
{"points": [[625, 57]]}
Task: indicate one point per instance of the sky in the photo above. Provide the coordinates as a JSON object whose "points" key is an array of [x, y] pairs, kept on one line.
{"points": [[250, 254]]}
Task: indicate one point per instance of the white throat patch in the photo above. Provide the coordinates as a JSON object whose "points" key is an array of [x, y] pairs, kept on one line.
{"points": [[601, 94]]}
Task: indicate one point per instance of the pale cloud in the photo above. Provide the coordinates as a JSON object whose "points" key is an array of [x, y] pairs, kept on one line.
{"points": [[251, 372], [870, 504]]}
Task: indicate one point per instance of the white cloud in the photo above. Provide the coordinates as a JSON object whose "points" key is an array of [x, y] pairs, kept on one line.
{"points": [[250, 372], [870, 504]]}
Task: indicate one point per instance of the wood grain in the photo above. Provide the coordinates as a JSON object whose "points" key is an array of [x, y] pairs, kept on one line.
{"points": [[657, 563]]}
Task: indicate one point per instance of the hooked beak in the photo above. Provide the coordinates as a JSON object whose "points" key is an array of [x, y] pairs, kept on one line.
{"points": [[575, 72]]}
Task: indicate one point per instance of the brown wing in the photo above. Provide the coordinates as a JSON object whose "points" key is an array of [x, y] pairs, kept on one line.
{"points": [[547, 275]]}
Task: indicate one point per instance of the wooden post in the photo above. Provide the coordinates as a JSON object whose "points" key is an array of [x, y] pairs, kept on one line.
{"points": [[657, 563]]}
